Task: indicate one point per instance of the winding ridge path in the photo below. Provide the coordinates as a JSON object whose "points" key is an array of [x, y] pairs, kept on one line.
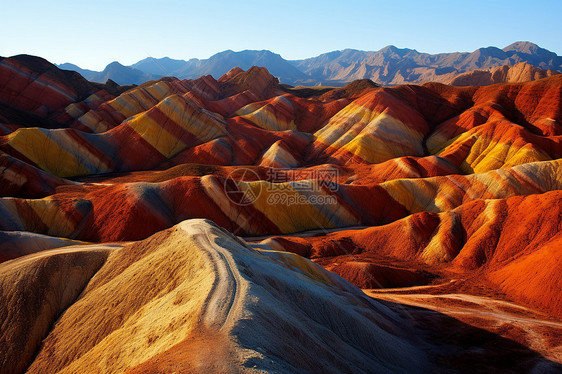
{"points": [[225, 299]]}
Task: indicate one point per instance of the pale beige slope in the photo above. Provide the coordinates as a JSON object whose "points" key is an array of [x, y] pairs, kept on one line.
{"points": [[34, 290], [144, 300], [195, 298], [297, 317], [15, 244]]}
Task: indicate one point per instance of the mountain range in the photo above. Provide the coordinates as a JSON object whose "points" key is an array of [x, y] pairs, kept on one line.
{"points": [[388, 66]]}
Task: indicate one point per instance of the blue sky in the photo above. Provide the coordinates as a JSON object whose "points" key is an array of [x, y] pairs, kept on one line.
{"points": [[92, 34]]}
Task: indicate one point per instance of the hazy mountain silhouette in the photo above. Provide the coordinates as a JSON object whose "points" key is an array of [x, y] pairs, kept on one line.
{"points": [[392, 65], [220, 63], [86, 73], [388, 66], [123, 74], [160, 66]]}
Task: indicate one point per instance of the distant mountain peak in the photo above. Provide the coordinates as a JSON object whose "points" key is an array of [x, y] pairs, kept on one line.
{"points": [[67, 66], [123, 75], [389, 47], [395, 50], [113, 64], [523, 47]]}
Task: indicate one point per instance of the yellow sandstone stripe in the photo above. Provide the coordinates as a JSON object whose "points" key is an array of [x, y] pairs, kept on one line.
{"points": [[92, 121], [159, 90], [288, 218], [43, 151], [167, 144], [215, 190], [204, 125], [49, 213]]}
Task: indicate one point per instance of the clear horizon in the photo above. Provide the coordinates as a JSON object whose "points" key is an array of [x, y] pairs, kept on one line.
{"points": [[95, 34]]}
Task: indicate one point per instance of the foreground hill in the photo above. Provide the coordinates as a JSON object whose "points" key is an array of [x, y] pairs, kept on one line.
{"points": [[192, 292], [194, 298], [388, 66], [433, 196]]}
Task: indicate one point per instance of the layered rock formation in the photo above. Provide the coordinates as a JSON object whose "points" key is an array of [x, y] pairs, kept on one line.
{"points": [[35, 92], [452, 189]]}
